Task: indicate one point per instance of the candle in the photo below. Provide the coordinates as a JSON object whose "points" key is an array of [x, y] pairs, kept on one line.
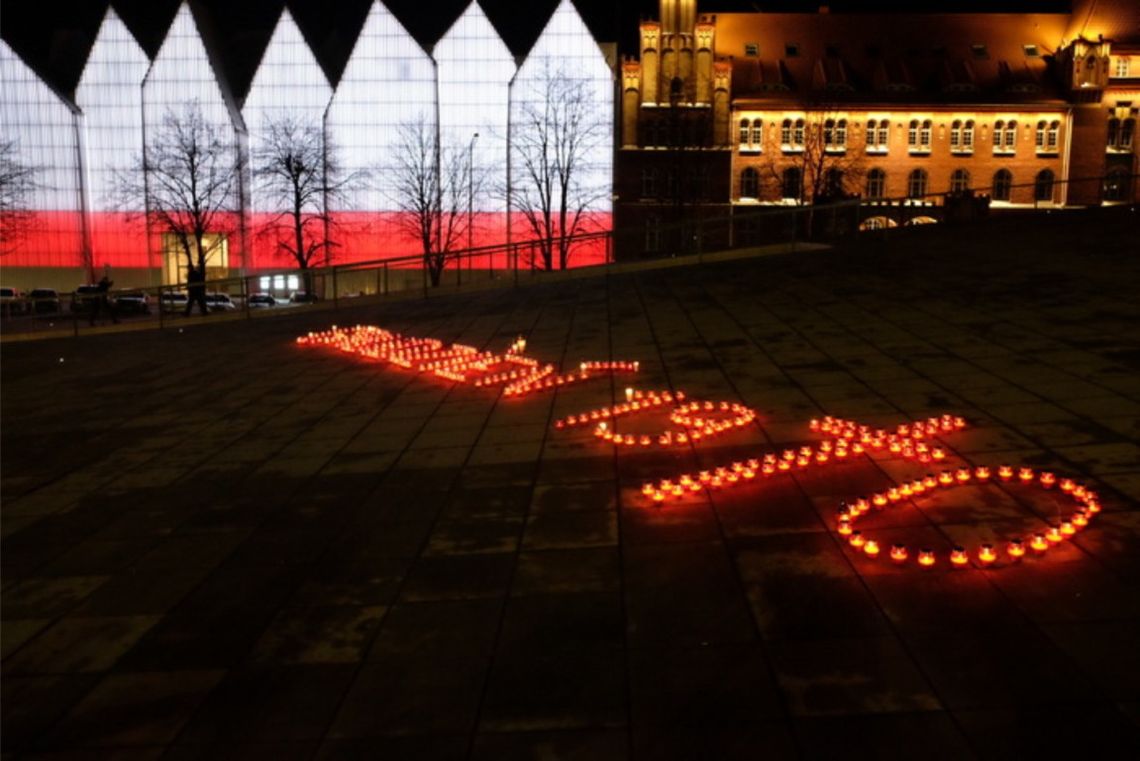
{"points": [[926, 558]]}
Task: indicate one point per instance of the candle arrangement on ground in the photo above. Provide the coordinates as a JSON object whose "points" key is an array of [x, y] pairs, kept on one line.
{"points": [[697, 421]]}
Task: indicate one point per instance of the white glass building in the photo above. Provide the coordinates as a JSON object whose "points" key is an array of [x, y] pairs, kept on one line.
{"points": [[182, 84], [387, 84], [475, 69], [110, 96], [288, 96], [565, 76], [467, 98], [39, 132]]}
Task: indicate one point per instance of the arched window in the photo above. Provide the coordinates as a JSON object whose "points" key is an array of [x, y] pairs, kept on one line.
{"points": [[968, 136], [798, 133], [786, 132], [1117, 185], [793, 183], [833, 183], [878, 135], [1003, 185], [1043, 186], [749, 183], [956, 135], [918, 136], [916, 184], [649, 183], [757, 138], [841, 133], [883, 138], [745, 131], [1009, 143], [959, 181], [1048, 136], [876, 183]]}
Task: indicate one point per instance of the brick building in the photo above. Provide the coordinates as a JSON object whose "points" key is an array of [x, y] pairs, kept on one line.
{"points": [[724, 112]]}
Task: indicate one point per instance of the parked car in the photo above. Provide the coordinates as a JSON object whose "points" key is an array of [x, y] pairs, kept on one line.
{"points": [[219, 302], [85, 297], [174, 301], [12, 301], [133, 302], [44, 300], [302, 297], [262, 300]]}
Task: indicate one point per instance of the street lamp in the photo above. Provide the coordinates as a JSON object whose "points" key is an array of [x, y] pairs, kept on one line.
{"points": [[470, 195]]}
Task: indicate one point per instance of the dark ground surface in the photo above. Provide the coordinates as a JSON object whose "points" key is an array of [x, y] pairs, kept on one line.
{"points": [[218, 544]]}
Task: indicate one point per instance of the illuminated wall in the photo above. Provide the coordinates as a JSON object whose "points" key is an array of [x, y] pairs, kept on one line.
{"points": [[567, 50], [475, 70], [289, 87], [388, 81], [44, 133], [110, 96], [180, 77]]}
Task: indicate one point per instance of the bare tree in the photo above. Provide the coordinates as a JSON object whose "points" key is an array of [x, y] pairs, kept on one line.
{"points": [[17, 181], [432, 185], [554, 138], [299, 176], [827, 169], [186, 183]]}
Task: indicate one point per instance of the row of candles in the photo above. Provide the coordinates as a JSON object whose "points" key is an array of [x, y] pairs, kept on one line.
{"points": [[701, 420], [1087, 505], [516, 372]]}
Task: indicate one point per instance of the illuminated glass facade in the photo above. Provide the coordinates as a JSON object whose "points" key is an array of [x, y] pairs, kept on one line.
{"points": [[467, 93], [388, 81], [182, 78], [567, 53], [110, 95], [289, 91], [475, 69], [42, 132]]}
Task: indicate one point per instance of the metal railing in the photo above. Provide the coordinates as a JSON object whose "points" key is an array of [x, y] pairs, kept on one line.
{"points": [[746, 226]]}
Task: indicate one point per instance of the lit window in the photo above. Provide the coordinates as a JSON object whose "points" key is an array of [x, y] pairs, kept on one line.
{"points": [[1048, 134], [1121, 67], [751, 49], [745, 132], [1003, 185], [757, 138], [263, 283], [916, 184], [876, 183], [749, 183], [918, 136], [798, 133], [959, 181], [968, 136], [786, 132], [956, 136], [294, 282], [1005, 136]]}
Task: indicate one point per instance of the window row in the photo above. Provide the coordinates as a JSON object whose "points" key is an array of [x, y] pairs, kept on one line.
{"points": [[917, 184], [794, 134]]}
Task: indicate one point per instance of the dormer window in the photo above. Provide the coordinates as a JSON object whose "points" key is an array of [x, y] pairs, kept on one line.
{"points": [[979, 50], [1031, 51], [791, 49], [1120, 67], [751, 49]]}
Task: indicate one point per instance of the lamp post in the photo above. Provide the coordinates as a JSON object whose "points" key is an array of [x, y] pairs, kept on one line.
{"points": [[470, 195]]}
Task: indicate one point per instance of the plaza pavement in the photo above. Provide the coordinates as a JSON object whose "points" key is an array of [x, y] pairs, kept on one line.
{"points": [[219, 544]]}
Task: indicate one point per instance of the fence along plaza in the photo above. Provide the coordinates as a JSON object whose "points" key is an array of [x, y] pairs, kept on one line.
{"points": [[694, 421]]}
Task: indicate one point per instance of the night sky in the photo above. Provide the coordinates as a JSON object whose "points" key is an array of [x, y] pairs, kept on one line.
{"points": [[56, 35]]}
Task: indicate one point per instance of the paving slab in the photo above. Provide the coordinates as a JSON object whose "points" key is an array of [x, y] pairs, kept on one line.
{"points": [[219, 544]]}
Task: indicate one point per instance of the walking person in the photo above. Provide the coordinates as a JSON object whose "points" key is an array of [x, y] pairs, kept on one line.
{"points": [[196, 285], [102, 301]]}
